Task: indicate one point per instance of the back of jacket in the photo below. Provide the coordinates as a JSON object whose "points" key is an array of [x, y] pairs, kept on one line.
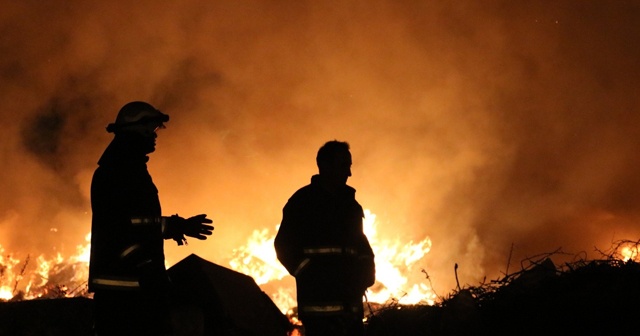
{"points": [[321, 242]]}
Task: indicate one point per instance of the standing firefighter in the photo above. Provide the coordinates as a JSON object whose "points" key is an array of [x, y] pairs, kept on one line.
{"points": [[127, 269], [322, 244]]}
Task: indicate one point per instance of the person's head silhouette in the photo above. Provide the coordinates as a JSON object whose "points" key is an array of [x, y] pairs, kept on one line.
{"points": [[334, 162], [139, 120]]}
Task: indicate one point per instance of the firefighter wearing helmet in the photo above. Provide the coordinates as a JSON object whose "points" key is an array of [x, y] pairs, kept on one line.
{"points": [[127, 272], [321, 243]]}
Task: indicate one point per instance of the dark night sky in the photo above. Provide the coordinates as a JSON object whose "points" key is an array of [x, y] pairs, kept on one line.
{"points": [[480, 124]]}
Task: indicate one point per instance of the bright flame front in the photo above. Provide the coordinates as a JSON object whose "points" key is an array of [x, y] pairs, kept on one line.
{"points": [[394, 262], [55, 276]]}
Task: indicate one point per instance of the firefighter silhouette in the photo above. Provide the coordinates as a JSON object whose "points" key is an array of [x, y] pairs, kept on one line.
{"points": [[127, 271], [321, 243]]}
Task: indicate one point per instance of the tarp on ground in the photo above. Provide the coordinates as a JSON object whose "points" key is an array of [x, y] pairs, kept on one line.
{"points": [[226, 302]]}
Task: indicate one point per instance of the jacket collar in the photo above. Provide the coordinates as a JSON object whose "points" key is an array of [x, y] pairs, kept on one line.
{"points": [[344, 191]]}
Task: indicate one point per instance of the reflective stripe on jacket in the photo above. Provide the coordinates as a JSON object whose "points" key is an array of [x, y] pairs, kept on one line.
{"points": [[117, 284]]}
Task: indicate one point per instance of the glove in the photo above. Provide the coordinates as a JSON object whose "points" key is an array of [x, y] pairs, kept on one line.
{"points": [[196, 227]]}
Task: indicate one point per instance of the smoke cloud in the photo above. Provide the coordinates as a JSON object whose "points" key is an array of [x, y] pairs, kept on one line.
{"points": [[493, 127]]}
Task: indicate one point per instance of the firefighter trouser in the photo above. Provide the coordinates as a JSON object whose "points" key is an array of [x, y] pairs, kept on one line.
{"points": [[332, 325], [331, 320], [131, 313]]}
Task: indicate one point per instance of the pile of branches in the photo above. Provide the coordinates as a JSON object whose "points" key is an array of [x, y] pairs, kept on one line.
{"points": [[578, 297], [60, 282]]}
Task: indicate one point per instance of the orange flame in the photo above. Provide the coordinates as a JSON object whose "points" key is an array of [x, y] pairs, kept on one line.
{"points": [[629, 252], [394, 261], [49, 277], [396, 270]]}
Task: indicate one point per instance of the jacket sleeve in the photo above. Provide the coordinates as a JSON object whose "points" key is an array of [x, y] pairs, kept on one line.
{"points": [[365, 261], [288, 245]]}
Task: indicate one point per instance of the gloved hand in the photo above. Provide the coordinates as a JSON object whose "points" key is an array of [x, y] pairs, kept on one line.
{"points": [[197, 227]]}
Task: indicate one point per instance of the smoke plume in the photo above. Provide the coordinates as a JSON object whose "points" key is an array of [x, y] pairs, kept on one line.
{"points": [[496, 128]]}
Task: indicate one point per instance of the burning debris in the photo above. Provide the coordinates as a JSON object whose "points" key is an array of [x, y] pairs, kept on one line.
{"points": [[44, 277], [543, 297], [579, 295], [47, 279]]}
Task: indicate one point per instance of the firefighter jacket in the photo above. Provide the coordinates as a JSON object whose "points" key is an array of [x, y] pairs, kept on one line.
{"points": [[321, 243], [127, 246]]}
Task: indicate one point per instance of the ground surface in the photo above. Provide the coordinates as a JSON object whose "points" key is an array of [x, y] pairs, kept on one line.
{"points": [[589, 298]]}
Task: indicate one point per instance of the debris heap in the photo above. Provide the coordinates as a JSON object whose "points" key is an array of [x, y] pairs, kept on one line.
{"points": [[585, 297]]}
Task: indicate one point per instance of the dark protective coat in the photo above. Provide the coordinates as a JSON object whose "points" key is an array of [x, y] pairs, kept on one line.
{"points": [[125, 255], [321, 243]]}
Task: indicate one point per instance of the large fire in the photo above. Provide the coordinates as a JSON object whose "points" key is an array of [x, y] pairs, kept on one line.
{"points": [[61, 276], [398, 277], [395, 263], [56, 276]]}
